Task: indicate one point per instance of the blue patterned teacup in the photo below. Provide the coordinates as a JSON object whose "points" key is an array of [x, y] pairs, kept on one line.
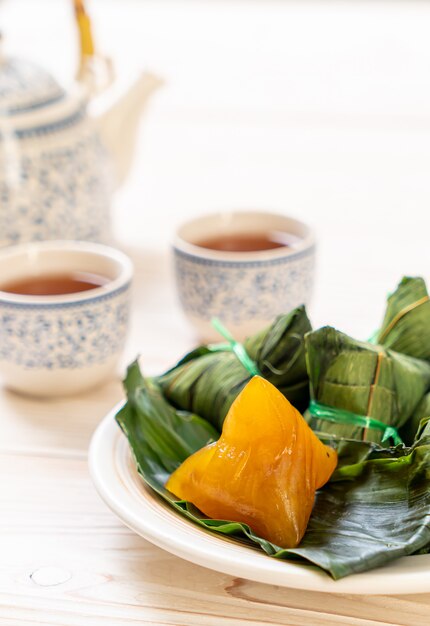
{"points": [[246, 290], [53, 345]]}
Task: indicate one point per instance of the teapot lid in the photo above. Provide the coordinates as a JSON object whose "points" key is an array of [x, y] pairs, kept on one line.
{"points": [[24, 86]]}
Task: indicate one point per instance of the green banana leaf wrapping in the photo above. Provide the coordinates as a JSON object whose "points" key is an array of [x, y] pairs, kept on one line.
{"points": [[182, 433], [364, 379], [406, 325], [206, 381], [355, 522], [409, 431]]}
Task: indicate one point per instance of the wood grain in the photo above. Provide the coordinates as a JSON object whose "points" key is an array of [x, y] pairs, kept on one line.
{"points": [[66, 560]]}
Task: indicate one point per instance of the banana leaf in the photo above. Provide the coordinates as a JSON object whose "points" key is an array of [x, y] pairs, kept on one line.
{"points": [[406, 325], [354, 451], [354, 525], [409, 431], [182, 433], [355, 521], [364, 379], [206, 381], [423, 432]]}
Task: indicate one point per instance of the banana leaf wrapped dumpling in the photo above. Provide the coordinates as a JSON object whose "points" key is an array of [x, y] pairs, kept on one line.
{"points": [[208, 379], [263, 471], [354, 525], [364, 379], [406, 324]]}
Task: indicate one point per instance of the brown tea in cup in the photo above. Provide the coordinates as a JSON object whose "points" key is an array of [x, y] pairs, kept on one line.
{"points": [[55, 284], [248, 242]]}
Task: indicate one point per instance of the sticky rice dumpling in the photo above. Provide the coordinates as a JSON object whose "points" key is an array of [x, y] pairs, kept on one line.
{"points": [[406, 325], [263, 471], [208, 379], [364, 379]]}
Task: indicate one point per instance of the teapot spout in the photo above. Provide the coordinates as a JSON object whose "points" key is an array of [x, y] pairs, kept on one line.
{"points": [[119, 123]]}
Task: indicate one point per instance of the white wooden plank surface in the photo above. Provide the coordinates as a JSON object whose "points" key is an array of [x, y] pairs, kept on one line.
{"points": [[67, 560]]}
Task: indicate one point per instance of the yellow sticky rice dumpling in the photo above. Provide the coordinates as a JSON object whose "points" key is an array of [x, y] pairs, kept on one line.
{"points": [[264, 469]]}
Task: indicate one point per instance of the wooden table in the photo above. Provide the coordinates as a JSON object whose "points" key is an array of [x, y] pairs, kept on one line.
{"points": [[320, 109]]}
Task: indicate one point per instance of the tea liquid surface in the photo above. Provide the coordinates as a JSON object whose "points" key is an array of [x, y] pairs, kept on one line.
{"points": [[246, 242], [55, 284]]}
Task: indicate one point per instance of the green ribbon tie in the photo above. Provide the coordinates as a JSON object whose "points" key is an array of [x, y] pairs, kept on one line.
{"points": [[374, 338], [341, 416], [233, 346]]}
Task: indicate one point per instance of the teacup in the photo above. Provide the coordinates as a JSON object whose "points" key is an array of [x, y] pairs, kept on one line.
{"points": [[54, 345], [246, 290]]}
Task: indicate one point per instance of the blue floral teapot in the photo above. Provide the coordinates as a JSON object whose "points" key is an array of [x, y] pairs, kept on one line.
{"points": [[59, 165]]}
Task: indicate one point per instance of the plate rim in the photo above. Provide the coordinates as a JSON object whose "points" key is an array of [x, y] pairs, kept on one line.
{"points": [[407, 575]]}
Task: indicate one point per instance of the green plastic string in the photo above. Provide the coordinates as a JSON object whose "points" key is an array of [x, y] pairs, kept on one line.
{"points": [[374, 338], [340, 416], [233, 346]]}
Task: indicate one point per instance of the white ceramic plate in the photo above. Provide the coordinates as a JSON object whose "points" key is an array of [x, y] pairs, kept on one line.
{"points": [[118, 483]]}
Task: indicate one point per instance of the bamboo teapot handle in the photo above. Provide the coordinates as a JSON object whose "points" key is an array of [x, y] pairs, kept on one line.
{"points": [[95, 71]]}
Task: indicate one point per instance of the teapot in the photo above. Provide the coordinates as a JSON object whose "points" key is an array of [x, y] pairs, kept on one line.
{"points": [[59, 162]]}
